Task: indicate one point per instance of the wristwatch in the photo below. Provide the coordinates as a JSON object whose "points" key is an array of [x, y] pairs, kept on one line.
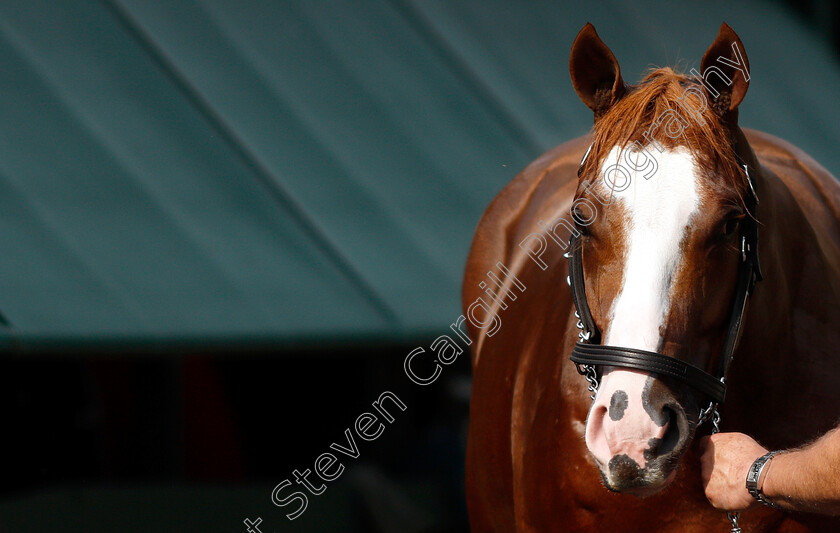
{"points": [[755, 481]]}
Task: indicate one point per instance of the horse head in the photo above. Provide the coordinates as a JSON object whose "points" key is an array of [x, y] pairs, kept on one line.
{"points": [[659, 214]]}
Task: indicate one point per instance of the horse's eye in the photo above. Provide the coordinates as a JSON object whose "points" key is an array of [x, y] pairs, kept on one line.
{"points": [[730, 226], [580, 221]]}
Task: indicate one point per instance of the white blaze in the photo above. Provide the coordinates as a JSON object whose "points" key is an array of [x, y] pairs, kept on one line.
{"points": [[659, 211]]}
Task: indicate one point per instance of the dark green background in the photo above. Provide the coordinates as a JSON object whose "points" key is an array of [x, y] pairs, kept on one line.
{"points": [[224, 223]]}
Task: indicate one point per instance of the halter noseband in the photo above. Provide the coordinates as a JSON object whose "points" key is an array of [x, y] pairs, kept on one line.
{"points": [[587, 353]]}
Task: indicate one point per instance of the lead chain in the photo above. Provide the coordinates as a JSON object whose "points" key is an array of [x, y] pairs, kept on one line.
{"points": [[592, 377], [733, 518], [712, 412]]}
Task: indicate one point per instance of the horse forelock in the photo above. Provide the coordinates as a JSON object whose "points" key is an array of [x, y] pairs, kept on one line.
{"points": [[705, 135]]}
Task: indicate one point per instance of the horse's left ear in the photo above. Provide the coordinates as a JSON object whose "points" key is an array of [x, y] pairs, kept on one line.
{"points": [[726, 72], [596, 75]]}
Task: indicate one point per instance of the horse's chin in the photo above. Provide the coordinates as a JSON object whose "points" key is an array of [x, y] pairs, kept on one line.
{"points": [[648, 485]]}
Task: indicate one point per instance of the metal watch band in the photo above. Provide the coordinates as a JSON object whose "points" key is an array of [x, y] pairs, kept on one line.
{"points": [[753, 477]]}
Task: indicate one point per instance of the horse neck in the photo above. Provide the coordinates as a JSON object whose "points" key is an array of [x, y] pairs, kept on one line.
{"points": [[782, 350]]}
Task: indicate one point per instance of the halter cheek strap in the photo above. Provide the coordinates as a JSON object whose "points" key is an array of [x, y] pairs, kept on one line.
{"points": [[588, 354]]}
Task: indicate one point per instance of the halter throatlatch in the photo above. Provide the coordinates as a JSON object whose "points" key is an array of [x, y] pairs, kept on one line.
{"points": [[588, 354]]}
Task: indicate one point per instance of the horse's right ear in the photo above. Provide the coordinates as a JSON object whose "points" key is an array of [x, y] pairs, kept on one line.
{"points": [[596, 75], [726, 72]]}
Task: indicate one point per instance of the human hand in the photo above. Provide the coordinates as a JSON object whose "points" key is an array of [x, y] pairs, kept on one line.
{"points": [[726, 460]]}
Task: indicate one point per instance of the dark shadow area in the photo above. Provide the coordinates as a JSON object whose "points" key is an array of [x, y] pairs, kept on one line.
{"points": [[202, 439]]}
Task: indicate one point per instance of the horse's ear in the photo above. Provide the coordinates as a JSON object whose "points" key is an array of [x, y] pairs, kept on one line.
{"points": [[726, 71], [595, 72]]}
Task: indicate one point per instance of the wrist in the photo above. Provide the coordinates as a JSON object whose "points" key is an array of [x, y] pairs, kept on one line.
{"points": [[757, 476], [773, 486]]}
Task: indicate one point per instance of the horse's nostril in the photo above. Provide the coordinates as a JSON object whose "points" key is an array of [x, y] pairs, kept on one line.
{"points": [[672, 433], [658, 447], [668, 414]]}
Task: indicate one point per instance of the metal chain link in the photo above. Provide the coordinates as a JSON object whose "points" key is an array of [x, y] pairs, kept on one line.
{"points": [[711, 412], [733, 518], [592, 377]]}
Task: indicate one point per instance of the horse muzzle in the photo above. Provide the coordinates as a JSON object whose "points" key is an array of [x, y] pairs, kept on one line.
{"points": [[637, 431]]}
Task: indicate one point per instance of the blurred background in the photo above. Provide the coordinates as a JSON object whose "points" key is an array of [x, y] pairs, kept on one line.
{"points": [[224, 224]]}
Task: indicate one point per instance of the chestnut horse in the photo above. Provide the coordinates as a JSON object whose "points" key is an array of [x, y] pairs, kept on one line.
{"points": [[661, 240]]}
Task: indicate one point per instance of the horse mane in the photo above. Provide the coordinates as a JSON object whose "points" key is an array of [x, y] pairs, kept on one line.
{"points": [[660, 91]]}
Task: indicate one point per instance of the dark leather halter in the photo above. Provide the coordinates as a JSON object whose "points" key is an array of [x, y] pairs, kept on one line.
{"points": [[588, 354]]}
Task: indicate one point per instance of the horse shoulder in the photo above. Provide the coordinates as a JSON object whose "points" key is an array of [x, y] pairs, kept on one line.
{"points": [[514, 213]]}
